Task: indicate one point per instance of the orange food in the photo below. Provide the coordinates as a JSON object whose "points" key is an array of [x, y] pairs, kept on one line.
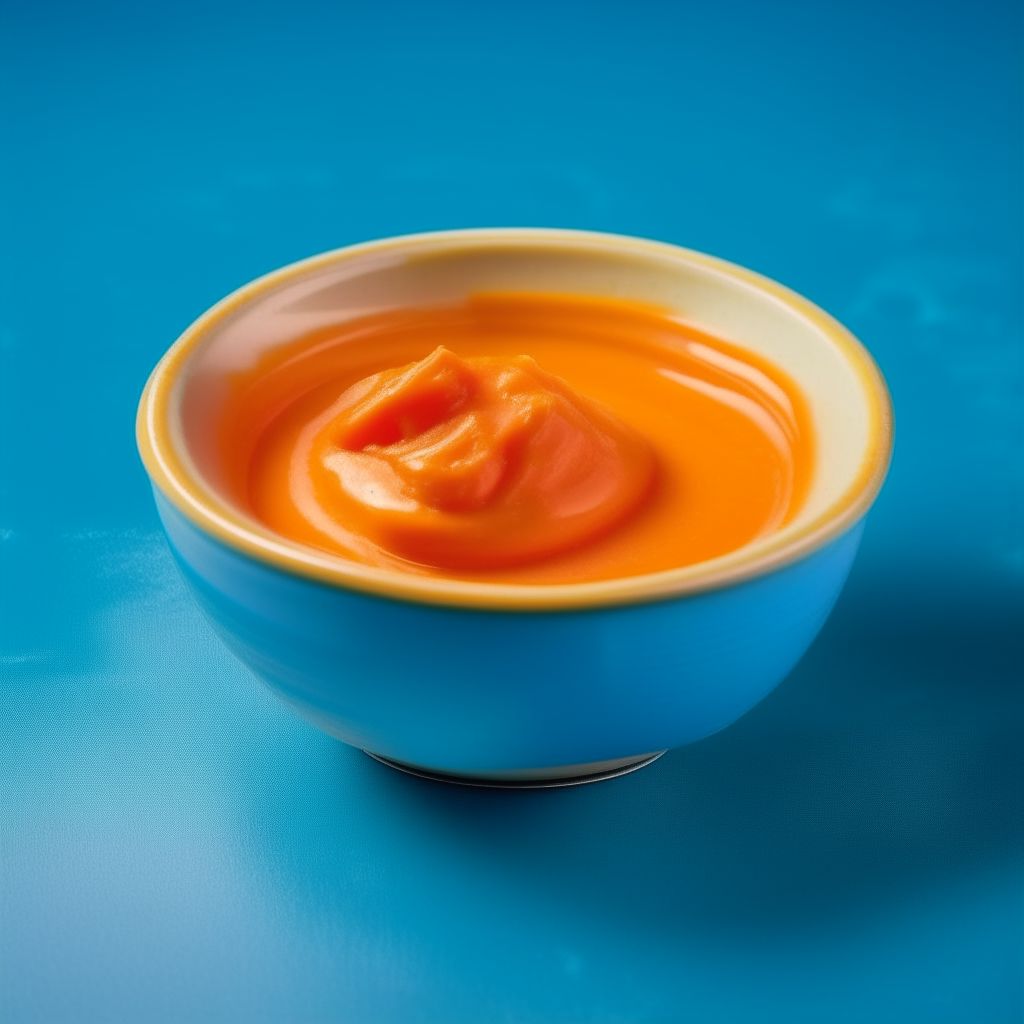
{"points": [[428, 441], [467, 463]]}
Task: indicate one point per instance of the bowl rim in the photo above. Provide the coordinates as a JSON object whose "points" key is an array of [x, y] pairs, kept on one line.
{"points": [[177, 480]]}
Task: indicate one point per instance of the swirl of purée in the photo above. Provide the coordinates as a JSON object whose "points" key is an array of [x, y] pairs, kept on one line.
{"points": [[467, 464]]}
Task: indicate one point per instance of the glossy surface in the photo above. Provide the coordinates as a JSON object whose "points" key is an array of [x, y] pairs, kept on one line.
{"points": [[456, 690], [457, 463], [567, 683], [184, 402], [706, 447], [176, 846]]}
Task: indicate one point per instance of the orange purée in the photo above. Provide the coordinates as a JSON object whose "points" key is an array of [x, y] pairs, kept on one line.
{"points": [[467, 464], [426, 441]]}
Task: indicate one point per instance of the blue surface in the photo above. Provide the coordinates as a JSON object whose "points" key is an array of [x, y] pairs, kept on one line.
{"points": [[178, 847]]}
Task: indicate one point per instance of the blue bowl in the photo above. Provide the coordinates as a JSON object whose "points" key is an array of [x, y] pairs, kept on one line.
{"points": [[510, 684]]}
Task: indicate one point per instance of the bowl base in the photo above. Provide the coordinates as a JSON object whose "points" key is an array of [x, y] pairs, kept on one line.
{"points": [[581, 774]]}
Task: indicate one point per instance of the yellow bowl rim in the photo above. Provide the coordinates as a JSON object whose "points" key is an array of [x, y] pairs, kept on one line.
{"points": [[174, 478]]}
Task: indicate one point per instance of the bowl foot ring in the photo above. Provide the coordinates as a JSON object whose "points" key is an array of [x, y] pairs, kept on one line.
{"points": [[571, 780]]}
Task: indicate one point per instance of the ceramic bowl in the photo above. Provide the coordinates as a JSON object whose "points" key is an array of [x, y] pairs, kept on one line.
{"points": [[512, 683]]}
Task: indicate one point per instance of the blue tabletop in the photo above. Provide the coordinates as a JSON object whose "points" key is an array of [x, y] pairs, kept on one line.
{"points": [[177, 846]]}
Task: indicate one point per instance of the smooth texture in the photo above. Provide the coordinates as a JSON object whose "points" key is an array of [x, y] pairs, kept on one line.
{"points": [[459, 463], [481, 692], [656, 664], [724, 454], [842, 389], [178, 847]]}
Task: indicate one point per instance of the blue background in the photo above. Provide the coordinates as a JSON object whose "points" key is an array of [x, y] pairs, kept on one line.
{"points": [[178, 847]]}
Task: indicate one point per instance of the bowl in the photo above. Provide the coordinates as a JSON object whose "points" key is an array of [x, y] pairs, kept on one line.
{"points": [[515, 684]]}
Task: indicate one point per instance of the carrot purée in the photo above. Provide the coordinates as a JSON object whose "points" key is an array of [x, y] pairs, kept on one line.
{"points": [[518, 438]]}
